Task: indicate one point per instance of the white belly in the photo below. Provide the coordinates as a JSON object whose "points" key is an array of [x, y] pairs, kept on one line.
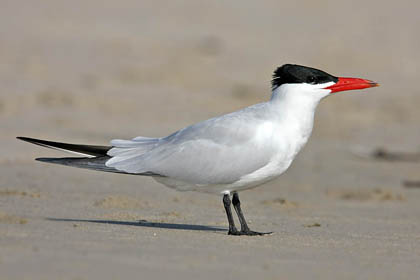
{"points": [[252, 180]]}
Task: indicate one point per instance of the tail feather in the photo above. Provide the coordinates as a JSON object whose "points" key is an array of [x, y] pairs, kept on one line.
{"points": [[86, 150], [96, 163], [95, 157]]}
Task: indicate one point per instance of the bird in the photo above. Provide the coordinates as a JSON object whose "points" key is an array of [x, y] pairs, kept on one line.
{"points": [[225, 154]]}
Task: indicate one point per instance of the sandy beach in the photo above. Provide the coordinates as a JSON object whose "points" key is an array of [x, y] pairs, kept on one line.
{"points": [[91, 71]]}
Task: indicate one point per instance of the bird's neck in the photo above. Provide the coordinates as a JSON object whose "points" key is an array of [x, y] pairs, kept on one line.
{"points": [[295, 112], [289, 102]]}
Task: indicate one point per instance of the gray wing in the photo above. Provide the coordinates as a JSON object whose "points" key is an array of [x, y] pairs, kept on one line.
{"points": [[216, 151]]}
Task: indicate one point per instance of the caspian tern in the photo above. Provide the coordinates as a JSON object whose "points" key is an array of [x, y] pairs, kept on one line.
{"points": [[225, 154]]}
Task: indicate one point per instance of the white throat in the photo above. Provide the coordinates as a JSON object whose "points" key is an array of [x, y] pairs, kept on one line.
{"points": [[299, 100], [304, 93], [295, 106]]}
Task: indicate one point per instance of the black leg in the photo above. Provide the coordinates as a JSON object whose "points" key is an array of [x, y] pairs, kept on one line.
{"points": [[226, 203], [237, 205], [244, 227]]}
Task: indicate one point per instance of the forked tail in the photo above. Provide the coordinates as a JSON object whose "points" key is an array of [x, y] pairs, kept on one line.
{"points": [[94, 157]]}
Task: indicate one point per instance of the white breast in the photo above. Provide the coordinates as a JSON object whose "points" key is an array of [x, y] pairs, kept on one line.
{"points": [[287, 138]]}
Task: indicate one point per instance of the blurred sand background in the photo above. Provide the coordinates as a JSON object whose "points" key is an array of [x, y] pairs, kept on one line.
{"points": [[90, 71]]}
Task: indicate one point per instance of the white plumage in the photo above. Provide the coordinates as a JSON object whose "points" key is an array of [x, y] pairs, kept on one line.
{"points": [[226, 154], [232, 152]]}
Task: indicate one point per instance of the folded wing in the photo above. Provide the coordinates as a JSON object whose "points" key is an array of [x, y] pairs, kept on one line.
{"points": [[217, 151]]}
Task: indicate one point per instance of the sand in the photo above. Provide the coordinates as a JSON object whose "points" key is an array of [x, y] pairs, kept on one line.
{"points": [[91, 71]]}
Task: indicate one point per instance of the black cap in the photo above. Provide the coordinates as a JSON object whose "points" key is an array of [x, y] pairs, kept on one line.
{"points": [[297, 74]]}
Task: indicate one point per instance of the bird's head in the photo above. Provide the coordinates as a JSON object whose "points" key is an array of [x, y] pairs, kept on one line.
{"points": [[304, 82]]}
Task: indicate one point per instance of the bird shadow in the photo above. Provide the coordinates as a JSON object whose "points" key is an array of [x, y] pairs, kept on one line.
{"points": [[144, 223]]}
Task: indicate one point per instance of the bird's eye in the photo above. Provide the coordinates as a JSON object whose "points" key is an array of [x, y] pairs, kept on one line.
{"points": [[311, 80]]}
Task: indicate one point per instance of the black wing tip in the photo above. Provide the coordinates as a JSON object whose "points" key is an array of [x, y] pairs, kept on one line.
{"points": [[29, 139], [63, 159], [23, 138], [89, 163], [36, 141], [43, 159], [93, 150]]}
